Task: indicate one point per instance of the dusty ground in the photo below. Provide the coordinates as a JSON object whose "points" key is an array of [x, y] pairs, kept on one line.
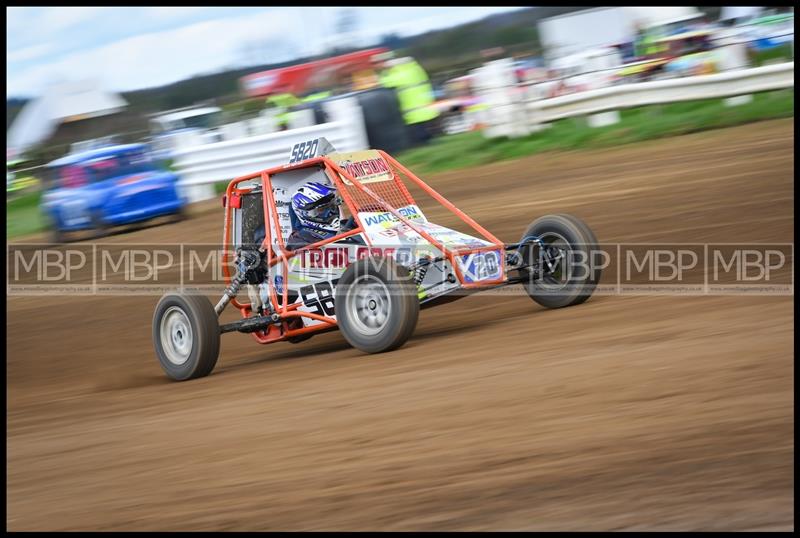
{"points": [[637, 412]]}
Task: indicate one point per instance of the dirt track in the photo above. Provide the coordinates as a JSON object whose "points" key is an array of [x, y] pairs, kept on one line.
{"points": [[646, 412]]}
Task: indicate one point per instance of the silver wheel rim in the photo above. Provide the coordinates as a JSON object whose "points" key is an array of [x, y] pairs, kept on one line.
{"points": [[176, 335], [368, 304]]}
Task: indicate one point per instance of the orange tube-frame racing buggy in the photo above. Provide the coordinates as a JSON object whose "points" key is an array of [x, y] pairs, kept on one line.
{"points": [[370, 280]]}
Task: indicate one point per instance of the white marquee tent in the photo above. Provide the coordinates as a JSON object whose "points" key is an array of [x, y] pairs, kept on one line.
{"points": [[587, 29], [62, 103]]}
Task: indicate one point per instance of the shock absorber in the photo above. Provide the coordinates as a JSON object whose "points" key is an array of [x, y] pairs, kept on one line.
{"points": [[247, 259], [230, 292], [421, 270]]}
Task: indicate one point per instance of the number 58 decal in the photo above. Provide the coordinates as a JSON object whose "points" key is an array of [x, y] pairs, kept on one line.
{"points": [[319, 297]]}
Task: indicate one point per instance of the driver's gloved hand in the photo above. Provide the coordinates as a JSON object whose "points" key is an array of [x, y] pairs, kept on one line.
{"points": [[250, 263], [347, 224]]}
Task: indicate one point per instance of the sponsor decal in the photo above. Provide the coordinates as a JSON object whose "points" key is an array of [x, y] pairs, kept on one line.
{"points": [[322, 258], [410, 212], [452, 238], [341, 257], [393, 228], [366, 166], [481, 266]]}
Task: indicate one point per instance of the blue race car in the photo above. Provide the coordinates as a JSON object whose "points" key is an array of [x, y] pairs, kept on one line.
{"points": [[105, 187]]}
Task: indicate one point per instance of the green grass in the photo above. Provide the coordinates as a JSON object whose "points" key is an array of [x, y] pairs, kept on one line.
{"points": [[781, 53], [23, 216], [472, 149], [219, 188], [636, 124]]}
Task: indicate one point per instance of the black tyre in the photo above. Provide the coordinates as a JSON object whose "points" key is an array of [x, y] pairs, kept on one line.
{"points": [[100, 228], [57, 236], [181, 214], [596, 268], [297, 323], [576, 273], [299, 338], [186, 336], [376, 305], [383, 119]]}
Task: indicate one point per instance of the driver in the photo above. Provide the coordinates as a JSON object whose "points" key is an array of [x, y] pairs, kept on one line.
{"points": [[316, 215]]}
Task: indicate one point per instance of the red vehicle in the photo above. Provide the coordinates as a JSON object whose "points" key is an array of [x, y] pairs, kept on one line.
{"points": [[296, 79], [372, 277]]}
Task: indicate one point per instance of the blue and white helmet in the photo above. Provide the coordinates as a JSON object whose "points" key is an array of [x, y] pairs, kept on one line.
{"points": [[317, 207]]}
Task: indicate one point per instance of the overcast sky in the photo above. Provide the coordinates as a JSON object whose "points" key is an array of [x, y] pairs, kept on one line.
{"points": [[139, 47]]}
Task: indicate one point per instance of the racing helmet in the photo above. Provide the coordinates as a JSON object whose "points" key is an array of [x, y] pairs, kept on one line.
{"points": [[317, 207]]}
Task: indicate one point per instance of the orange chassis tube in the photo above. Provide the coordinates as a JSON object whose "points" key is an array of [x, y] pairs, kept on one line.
{"points": [[275, 256]]}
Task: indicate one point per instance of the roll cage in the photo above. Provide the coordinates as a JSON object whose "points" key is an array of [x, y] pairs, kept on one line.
{"points": [[388, 195]]}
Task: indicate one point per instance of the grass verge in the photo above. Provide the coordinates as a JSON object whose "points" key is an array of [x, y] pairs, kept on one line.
{"points": [[636, 124], [23, 216]]}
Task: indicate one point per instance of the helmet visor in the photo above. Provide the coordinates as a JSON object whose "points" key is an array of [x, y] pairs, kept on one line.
{"points": [[323, 210]]}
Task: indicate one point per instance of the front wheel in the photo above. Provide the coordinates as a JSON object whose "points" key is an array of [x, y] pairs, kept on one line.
{"points": [[186, 336], [568, 261], [376, 304]]}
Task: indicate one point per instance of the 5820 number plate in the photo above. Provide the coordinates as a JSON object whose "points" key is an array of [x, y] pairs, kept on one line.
{"points": [[304, 150]]}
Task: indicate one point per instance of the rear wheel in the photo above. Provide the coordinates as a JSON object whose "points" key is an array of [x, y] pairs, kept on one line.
{"points": [[58, 237], [570, 266], [55, 235], [186, 336], [100, 228], [376, 305], [181, 214]]}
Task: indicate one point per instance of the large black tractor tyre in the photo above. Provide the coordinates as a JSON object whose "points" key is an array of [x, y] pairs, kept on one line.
{"points": [[376, 304], [577, 275], [186, 336]]}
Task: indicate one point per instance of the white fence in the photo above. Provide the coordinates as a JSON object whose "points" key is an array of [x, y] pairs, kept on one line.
{"points": [[511, 111], [514, 112], [203, 165]]}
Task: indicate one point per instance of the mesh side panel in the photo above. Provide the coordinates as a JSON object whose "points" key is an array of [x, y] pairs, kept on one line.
{"points": [[400, 191], [436, 212], [391, 192]]}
